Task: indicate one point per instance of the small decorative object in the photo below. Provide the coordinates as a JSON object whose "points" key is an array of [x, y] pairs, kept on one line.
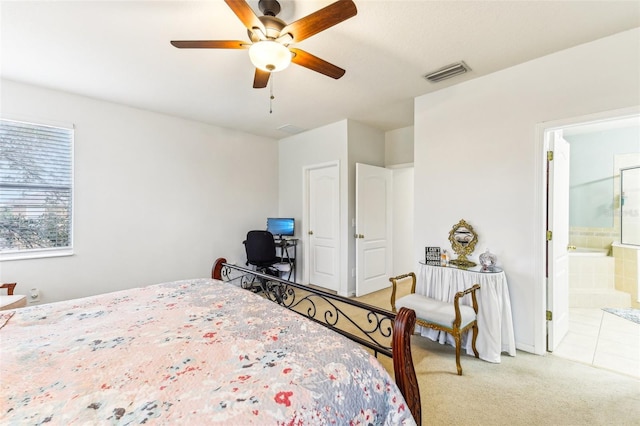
{"points": [[487, 260], [444, 258], [432, 256], [463, 240]]}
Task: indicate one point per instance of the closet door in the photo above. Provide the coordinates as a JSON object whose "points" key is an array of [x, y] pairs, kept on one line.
{"points": [[324, 229], [373, 228]]}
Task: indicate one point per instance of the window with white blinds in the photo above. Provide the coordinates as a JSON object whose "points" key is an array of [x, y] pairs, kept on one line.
{"points": [[36, 187]]}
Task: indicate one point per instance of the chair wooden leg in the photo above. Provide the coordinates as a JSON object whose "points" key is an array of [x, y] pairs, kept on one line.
{"points": [[473, 340], [456, 337]]}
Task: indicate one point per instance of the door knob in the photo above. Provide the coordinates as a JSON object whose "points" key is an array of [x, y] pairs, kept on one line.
{"points": [[310, 232]]}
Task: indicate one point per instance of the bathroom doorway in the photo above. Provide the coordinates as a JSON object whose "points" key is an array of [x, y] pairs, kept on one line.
{"points": [[599, 151], [599, 148]]}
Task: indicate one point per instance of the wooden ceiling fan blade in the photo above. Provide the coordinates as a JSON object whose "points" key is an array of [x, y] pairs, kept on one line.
{"points": [[260, 79], [210, 44], [307, 60], [321, 20], [244, 12]]}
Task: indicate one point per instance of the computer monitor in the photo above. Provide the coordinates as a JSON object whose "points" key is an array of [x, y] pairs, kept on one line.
{"points": [[281, 226]]}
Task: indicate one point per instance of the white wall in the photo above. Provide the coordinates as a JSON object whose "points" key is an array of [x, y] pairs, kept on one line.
{"points": [[478, 157], [348, 142], [157, 198], [322, 145], [398, 146], [398, 155], [366, 146]]}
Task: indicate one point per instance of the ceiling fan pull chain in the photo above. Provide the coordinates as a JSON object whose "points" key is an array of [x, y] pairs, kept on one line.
{"points": [[271, 97]]}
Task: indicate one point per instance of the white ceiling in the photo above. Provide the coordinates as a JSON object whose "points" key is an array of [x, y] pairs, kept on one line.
{"points": [[119, 51]]}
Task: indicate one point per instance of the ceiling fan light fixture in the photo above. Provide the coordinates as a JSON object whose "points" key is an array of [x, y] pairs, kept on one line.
{"points": [[270, 56]]}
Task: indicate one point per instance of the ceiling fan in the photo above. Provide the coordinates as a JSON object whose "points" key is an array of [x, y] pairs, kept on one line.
{"points": [[271, 37]]}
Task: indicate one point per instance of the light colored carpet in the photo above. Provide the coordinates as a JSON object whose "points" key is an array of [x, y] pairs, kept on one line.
{"points": [[523, 390]]}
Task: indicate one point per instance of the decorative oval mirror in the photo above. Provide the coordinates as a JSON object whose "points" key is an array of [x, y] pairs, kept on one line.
{"points": [[463, 240]]}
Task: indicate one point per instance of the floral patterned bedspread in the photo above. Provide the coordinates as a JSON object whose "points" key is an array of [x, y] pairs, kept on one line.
{"points": [[197, 352]]}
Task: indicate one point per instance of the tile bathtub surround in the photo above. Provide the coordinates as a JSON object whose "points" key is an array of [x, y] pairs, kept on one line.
{"points": [[591, 271], [626, 272], [593, 237], [592, 283]]}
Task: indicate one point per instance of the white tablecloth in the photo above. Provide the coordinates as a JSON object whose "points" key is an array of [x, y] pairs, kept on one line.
{"points": [[495, 324]]}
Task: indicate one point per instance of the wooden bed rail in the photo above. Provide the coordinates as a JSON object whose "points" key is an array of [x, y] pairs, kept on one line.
{"points": [[379, 329]]}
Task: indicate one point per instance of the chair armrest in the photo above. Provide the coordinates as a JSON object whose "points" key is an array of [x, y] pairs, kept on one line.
{"points": [[394, 285], [399, 277], [461, 294]]}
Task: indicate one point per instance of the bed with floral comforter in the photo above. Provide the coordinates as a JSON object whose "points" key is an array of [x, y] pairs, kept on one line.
{"points": [[197, 352]]}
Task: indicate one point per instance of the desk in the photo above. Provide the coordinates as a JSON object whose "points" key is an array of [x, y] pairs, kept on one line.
{"points": [[495, 324], [284, 247]]}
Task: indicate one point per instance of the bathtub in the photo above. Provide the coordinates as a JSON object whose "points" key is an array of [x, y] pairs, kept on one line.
{"points": [[587, 251], [592, 280]]}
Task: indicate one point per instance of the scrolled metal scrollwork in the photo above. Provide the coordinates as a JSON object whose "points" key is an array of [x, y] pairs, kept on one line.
{"points": [[374, 325]]}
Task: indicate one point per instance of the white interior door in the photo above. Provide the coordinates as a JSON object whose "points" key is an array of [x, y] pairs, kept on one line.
{"points": [[324, 227], [373, 228], [557, 256]]}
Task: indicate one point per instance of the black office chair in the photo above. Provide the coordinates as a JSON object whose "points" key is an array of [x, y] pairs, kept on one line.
{"points": [[261, 251]]}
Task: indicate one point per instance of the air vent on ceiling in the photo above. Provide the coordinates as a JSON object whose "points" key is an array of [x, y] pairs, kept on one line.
{"points": [[291, 129], [447, 72]]}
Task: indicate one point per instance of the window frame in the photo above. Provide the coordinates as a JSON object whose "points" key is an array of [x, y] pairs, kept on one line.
{"points": [[68, 250]]}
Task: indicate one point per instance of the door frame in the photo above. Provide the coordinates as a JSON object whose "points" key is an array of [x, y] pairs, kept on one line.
{"points": [[540, 214], [304, 237], [402, 260]]}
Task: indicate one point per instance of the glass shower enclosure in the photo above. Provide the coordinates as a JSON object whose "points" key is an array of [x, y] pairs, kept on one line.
{"points": [[630, 205]]}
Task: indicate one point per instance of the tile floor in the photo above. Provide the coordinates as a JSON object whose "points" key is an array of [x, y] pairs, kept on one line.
{"points": [[603, 340]]}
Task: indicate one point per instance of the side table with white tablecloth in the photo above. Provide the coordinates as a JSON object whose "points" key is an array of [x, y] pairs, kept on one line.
{"points": [[495, 324]]}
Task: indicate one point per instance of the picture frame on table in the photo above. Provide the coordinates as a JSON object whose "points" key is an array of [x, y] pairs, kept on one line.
{"points": [[432, 256]]}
